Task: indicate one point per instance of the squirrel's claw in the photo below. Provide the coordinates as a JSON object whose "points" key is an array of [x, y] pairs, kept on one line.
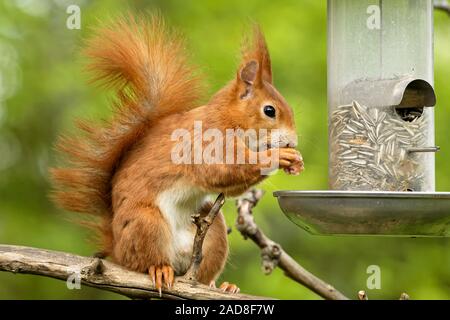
{"points": [[229, 287], [160, 275], [169, 276]]}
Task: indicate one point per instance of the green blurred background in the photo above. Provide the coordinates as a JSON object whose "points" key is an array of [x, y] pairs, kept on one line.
{"points": [[42, 88]]}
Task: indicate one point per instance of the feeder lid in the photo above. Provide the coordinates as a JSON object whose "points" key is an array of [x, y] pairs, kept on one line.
{"points": [[401, 92]]}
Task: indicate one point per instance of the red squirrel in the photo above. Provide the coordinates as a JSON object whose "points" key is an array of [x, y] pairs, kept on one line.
{"points": [[122, 171]]}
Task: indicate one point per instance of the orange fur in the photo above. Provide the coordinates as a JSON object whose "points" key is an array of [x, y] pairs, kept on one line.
{"points": [[123, 172]]}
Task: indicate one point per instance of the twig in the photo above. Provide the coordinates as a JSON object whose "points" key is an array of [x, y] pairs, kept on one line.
{"points": [[404, 296], [203, 224], [272, 253], [101, 274], [442, 6], [362, 295]]}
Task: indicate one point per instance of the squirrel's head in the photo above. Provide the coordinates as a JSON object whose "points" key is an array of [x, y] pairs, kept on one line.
{"points": [[256, 104]]}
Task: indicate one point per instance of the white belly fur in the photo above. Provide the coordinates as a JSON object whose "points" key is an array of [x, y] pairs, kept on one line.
{"points": [[177, 204]]}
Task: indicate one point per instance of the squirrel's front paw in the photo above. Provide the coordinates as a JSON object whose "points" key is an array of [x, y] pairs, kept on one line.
{"points": [[295, 169], [291, 161], [160, 275]]}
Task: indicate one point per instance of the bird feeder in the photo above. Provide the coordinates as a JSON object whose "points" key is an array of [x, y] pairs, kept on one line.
{"points": [[381, 125]]}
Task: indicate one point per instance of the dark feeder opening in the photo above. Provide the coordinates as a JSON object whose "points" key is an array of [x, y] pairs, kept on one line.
{"points": [[381, 126], [418, 94]]}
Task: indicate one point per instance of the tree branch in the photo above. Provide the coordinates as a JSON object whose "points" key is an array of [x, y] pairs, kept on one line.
{"points": [[101, 274], [272, 253]]}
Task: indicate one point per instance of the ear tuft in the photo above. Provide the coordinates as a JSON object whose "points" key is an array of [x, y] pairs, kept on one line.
{"points": [[256, 49], [249, 72], [262, 52]]}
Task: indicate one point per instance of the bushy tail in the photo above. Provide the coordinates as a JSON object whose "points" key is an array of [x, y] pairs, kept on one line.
{"points": [[147, 65]]}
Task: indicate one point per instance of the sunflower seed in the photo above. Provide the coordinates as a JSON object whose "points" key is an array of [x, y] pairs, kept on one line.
{"points": [[369, 149]]}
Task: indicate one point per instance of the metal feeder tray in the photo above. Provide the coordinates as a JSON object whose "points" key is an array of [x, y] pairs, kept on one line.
{"points": [[413, 214]]}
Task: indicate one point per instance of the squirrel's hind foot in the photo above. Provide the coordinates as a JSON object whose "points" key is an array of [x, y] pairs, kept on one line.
{"points": [[226, 287], [161, 275]]}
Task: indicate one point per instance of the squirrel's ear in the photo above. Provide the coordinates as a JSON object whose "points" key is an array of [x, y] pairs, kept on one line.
{"points": [[248, 78], [249, 72]]}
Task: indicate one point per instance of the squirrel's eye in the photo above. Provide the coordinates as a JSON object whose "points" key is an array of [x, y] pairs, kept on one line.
{"points": [[269, 111]]}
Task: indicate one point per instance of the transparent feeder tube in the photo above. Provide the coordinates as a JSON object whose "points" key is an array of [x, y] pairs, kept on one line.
{"points": [[370, 142]]}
